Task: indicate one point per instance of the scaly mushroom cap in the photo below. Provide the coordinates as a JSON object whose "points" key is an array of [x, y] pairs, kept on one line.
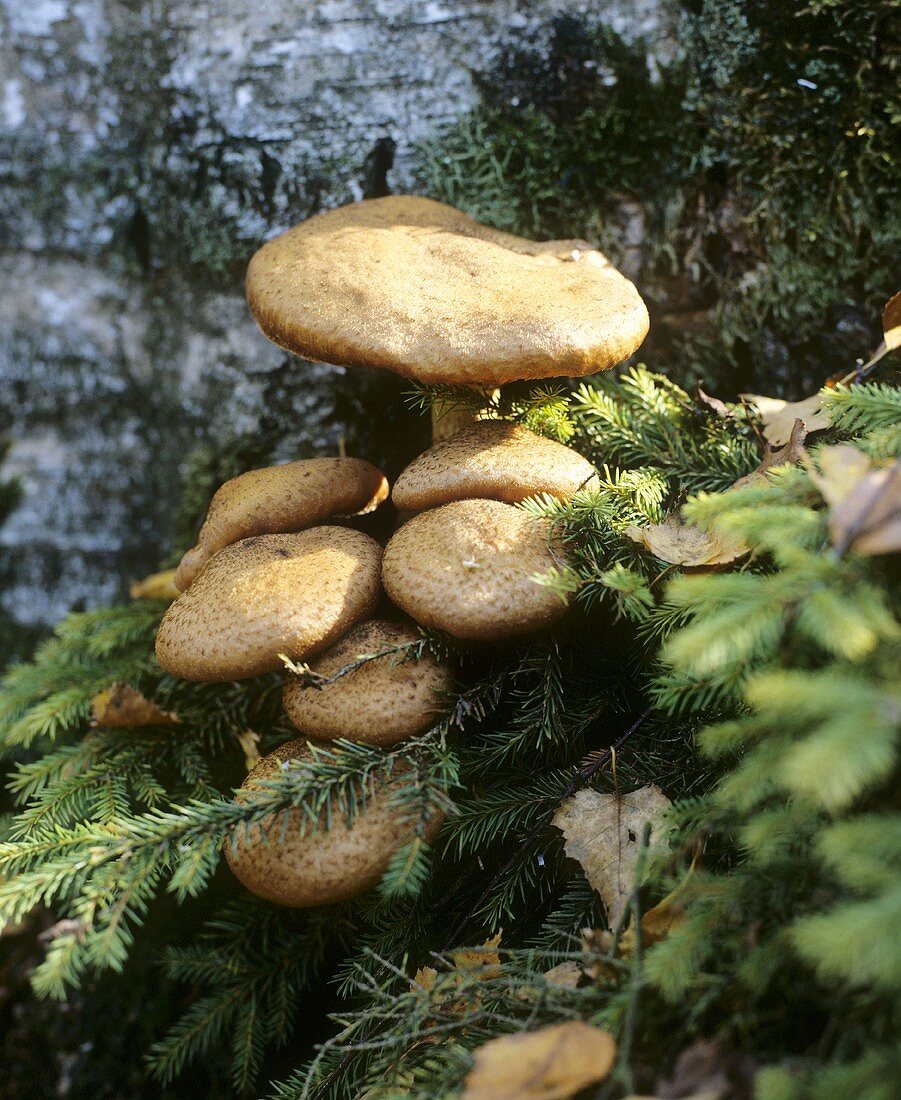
{"points": [[492, 459], [285, 498], [422, 289], [467, 567], [295, 864], [381, 702], [266, 595]]}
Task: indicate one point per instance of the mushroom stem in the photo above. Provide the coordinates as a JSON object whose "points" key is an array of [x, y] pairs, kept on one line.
{"points": [[447, 419]]}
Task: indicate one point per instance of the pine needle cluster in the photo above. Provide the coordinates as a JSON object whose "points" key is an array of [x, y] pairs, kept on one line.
{"points": [[762, 699]]}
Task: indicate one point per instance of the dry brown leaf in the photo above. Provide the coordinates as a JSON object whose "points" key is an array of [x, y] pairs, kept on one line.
{"points": [[684, 544], [891, 322], [864, 500], [550, 1064], [122, 705], [424, 979], [603, 832], [656, 923], [779, 416], [158, 586], [714, 404], [566, 974], [789, 455], [485, 958]]}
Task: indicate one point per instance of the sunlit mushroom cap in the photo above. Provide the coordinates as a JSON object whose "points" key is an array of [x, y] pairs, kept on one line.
{"points": [[379, 702], [278, 499], [295, 863], [468, 568], [266, 595], [419, 288], [493, 459]]}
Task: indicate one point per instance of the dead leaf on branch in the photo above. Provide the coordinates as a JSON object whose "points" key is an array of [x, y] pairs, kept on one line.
{"points": [[714, 404], [603, 832], [473, 963], [550, 1064], [158, 586], [684, 544], [122, 705], [864, 500], [778, 416], [891, 323], [789, 455]]}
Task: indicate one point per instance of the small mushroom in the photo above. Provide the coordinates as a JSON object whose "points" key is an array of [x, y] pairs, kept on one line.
{"points": [[295, 864], [257, 598], [492, 459], [380, 702], [467, 568], [284, 498], [419, 288]]}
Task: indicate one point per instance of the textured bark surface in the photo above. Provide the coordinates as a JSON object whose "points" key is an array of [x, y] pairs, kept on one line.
{"points": [[146, 149]]}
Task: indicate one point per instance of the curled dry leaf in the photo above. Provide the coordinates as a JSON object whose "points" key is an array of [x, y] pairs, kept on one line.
{"points": [[603, 832], [714, 404], [550, 1064], [158, 586], [864, 500], [566, 974], [479, 963], [891, 323], [778, 416], [684, 544], [789, 455], [122, 705]]}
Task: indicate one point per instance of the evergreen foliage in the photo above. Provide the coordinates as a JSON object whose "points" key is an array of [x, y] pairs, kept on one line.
{"points": [[762, 699]]}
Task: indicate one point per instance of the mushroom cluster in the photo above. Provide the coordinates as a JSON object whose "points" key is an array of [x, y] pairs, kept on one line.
{"points": [[280, 575]]}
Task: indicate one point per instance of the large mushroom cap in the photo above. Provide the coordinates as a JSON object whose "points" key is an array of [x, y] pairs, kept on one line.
{"points": [[380, 702], [266, 595], [284, 498], [422, 289], [492, 459], [295, 864], [466, 568]]}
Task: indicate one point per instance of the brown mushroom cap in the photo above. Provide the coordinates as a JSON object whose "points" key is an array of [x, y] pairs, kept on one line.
{"points": [[466, 568], [492, 459], [379, 703], [270, 594], [284, 498], [301, 866], [422, 289]]}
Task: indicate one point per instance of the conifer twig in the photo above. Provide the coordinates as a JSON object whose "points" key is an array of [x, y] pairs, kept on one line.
{"points": [[581, 776]]}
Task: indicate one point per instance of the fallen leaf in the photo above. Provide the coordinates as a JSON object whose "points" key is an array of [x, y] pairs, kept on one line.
{"points": [[656, 923], [566, 974], [891, 322], [122, 705], [840, 470], [864, 500], [789, 455], [158, 586], [550, 1064], [714, 404], [603, 832], [708, 1070], [484, 958], [778, 416], [684, 544], [424, 979]]}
